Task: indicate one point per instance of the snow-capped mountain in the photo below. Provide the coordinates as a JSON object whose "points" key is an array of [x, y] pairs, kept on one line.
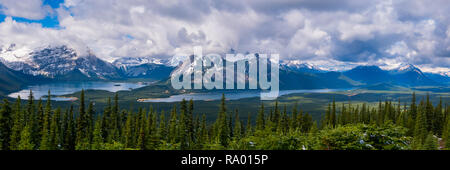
{"points": [[126, 62], [143, 67], [57, 62], [297, 65], [368, 74], [440, 78], [403, 68], [11, 53], [65, 63], [410, 74], [406, 74], [445, 74]]}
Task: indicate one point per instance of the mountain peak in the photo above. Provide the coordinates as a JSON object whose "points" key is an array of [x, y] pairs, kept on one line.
{"points": [[368, 68], [404, 68], [135, 61], [408, 67], [55, 61], [301, 66], [13, 53]]}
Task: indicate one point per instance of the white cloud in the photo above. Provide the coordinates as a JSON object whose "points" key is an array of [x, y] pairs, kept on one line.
{"points": [[30, 9], [310, 41], [352, 31], [401, 49], [445, 71]]}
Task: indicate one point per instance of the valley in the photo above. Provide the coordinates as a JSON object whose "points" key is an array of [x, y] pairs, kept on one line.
{"points": [[233, 76], [314, 103], [144, 82]]}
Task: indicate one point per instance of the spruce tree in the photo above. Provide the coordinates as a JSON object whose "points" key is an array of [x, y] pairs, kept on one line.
{"points": [[26, 142], [333, 115], [113, 122], [413, 107], [97, 140], [438, 119], [282, 122], [128, 132], [106, 121], [327, 118], [447, 134], [237, 126], [230, 125], [197, 134], [162, 131], [18, 125], [82, 137], [69, 134], [203, 131], [260, 120], [189, 121], [276, 117], [39, 121], [143, 128], [431, 143], [301, 118], [420, 130], [55, 138], [429, 112], [293, 121], [30, 106], [223, 128], [115, 109], [306, 123], [33, 119], [45, 133], [365, 118], [90, 121], [173, 125], [248, 127], [6, 122], [154, 135], [183, 126]]}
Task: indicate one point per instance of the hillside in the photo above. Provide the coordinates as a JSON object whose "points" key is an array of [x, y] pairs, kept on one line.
{"points": [[11, 80]]}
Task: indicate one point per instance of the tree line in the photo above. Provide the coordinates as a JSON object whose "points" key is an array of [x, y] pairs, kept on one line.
{"points": [[38, 126]]}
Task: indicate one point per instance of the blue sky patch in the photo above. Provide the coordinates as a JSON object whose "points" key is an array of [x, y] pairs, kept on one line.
{"points": [[47, 22]]}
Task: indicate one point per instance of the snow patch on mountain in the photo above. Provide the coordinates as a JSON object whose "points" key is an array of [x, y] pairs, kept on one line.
{"points": [[299, 64], [12, 53], [406, 68], [442, 71], [55, 61], [127, 62]]}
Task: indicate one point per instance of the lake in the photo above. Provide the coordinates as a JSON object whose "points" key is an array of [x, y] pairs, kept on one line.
{"points": [[231, 96], [63, 88]]}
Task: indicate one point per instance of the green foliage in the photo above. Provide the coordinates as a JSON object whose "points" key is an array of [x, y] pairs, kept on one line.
{"points": [[97, 141], [344, 127], [264, 140], [447, 134], [222, 125], [365, 137], [420, 129], [431, 143], [45, 133], [5, 125], [26, 142]]}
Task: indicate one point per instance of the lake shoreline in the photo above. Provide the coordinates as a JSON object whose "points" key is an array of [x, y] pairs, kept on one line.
{"points": [[60, 89]]}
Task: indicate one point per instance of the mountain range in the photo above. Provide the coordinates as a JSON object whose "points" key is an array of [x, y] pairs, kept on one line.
{"points": [[21, 66]]}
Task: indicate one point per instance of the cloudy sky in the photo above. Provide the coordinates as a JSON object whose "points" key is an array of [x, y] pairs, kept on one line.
{"points": [[325, 32]]}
